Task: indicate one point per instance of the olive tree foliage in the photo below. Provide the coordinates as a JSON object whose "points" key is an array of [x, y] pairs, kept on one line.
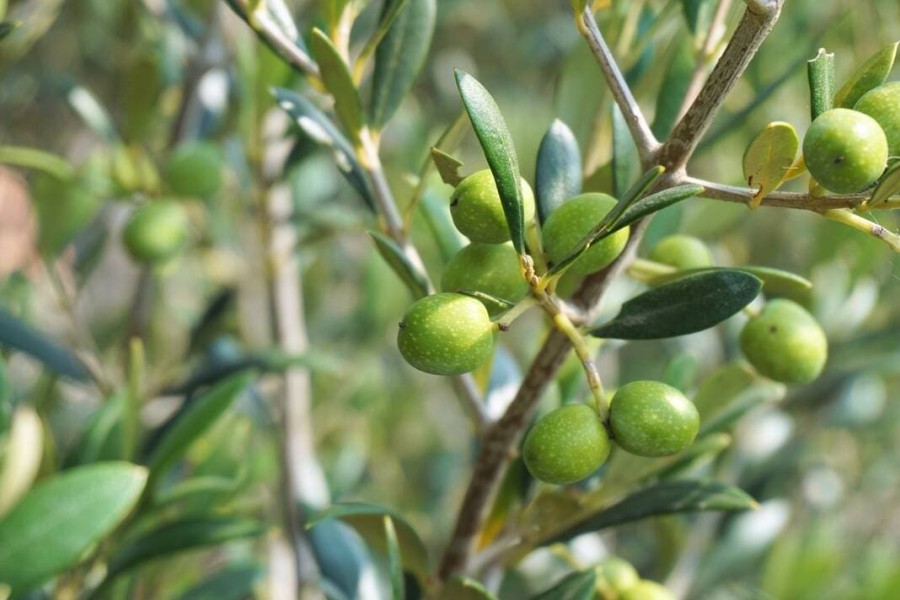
{"points": [[655, 321]]}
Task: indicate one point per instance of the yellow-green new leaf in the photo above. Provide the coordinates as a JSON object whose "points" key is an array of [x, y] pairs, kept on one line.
{"points": [[768, 159], [339, 83], [869, 76]]}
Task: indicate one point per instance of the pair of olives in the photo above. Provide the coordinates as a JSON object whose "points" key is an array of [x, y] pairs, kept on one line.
{"points": [[646, 418], [847, 150], [617, 579]]}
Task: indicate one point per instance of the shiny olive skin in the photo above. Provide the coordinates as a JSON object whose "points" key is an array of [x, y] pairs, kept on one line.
{"points": [[156, 232], [650, 418], [570, 222], [488, 268], [682, 252], [477, 211], [566, 445], [845, 151], [883, 105]]}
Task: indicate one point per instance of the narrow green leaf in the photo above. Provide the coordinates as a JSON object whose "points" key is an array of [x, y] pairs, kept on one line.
{"points": [[393, 552], [497, 143], [558, 170], [663, 498], [729, 393], [6, 28], [626, 163], [768, 157], [775, 281], [702, 451], [869, 76], [650, 204], [697, 13], [887, 186], [367, 520], [31, 158], [447, 166], [199, 416], [20, 336], [277, 13], [400, 57], [820, 72], [685, 306], [339, 82], [61, 518], [232, 582], [579, 585], [88, 107], [318, 127], [674, 86], [179, 536], [20, 456], [437, 214], [393, 255], [463, 588]]}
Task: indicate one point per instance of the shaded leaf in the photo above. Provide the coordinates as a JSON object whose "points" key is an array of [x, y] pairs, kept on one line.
{"points": [[437, 214], [395, 569], [729, 393], [7, 27], [888, 185], [62, 517], [463, 588], [400, 57], [820, 72], [674, 87], [339, 82], [663, 498], [232, 582], [625, 161], [869, 76], [775, 281], [447, 166], [23, 337], [415, 280], [701, 451], [558, 170], [575, 586], [768, 158], [497, 143], [318, 127], [272, 14], [685, 306], [340, 555], [697, 13]]}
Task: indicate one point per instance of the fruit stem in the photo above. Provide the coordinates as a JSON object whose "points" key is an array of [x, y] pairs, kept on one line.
{"points": [[848, 217]]}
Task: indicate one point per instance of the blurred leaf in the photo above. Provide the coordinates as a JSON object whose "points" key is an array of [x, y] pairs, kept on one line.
{"points": [[682, 371], [7, 27], [339, 82], [367, 520], [86, 105], [463, 588], [393, 255], [210, 324], [674, 87], [195, 421], [208, 487], [820, 73], [869, 76], [663, 498], [447, 166], [319, 127], [179, 536], [497, 143], [625, 161], [697, 14], [20, 459], [20, 336], [512, 487], [340, 555], [729, 393], [579, 5], [701, 451], [395, 569], [231, 582], [31, 158], [558, 169], [64, 516], [685, 306], [888, 185], [141, 85], [271, 14], [436, 211], [575, 586], [102, 438], [768, 158], [65, 207], [400, 57], [775, 281]]}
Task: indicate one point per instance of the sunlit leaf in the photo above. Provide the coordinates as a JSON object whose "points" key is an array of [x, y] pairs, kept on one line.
{"points": [[339, 82], [21, 457], [869, 76], [768, 158]]}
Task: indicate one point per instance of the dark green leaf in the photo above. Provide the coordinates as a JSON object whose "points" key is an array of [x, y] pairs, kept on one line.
{"points": [[820, 72], [180, 536], [888, 185], [400, 57], [869, 76], [318, 127], [447, 166], [367, 520], [7, 27], [393, 255], [674, 87], [195, 421], [575, 586], [340, 555], [61, 518], [650, 204], [463, 588], [663, 498], [625, 161], [775, 281], [339, 82], [393, 552], [697, 14], [22, 337], [232, 582], [685, 306], [768, 157], [558, 169], [497, 143]]}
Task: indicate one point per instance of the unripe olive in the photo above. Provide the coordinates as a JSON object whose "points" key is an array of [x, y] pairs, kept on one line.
{"points": [[156, 232], [647, 590], [883, 105], [446, 334], [194, 169], [785, 343], [566, 445], [571, 221], [489, 268], [477, 211], [845, 150], [650, 418], [614, 576], [682, 252]]}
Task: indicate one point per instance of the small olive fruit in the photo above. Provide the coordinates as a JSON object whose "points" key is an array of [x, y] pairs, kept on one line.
{"points": [[156, 232], [845, 150], [489, 268], [194, 169], [477, 211], [883, 105], [614, 576], [446, 334], [566, 445], [571, 221], [647, 590], [682, 252], [650, 418], [785, 343]]}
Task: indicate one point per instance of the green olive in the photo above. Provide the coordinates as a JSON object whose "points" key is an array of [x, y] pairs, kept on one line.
{"points": [[647, 590], [883, 105], [650, 418], [477, 211], [614, 576], [489, 268], [570, 222], [785, 343], [156, 232], [566, 445], [194, 169], [446, 334], [682, 252], [845, 150]]}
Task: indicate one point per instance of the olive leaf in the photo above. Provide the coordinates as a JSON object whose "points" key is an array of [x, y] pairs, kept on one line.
{"points": [[463, 588], [730, 392], [775, 282], [887, 186], [579, 585], [870, 75], [691, 304], [820, 72], [697, 13], [558, 170], [768, 158], [497, 144], [7, 27], [395, 568], [437, 216], [447, 166], [625, 161], [415, 280], [339, 82], [674, 87], [32, 158], [20, 336]]}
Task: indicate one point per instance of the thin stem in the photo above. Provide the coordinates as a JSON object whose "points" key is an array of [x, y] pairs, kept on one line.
{"points": [[866, 226], [644, 139]]}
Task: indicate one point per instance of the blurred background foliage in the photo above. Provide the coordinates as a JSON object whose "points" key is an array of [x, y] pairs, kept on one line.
{"points": [[114, 86]]}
